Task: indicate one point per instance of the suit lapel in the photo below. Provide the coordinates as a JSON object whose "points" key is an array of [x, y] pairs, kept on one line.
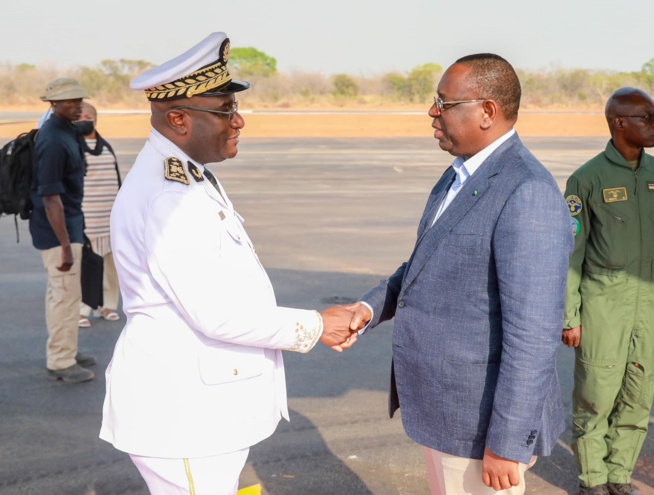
{"points": [[435, 199], [471, 192]]}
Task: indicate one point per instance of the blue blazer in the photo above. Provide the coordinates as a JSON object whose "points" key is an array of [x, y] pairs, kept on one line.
{"points": [[478, 313]]}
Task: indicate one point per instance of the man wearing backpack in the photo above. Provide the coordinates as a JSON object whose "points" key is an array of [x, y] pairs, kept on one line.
{"points": [[57, 227]]}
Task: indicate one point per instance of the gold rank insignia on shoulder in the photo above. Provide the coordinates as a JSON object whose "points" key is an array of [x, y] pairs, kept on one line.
{"points": [[175, 170], [614, 194], [195, 172], [574, 203]]}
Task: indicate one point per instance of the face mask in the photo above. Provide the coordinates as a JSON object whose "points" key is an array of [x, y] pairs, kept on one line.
{"points": [[84, 127]]}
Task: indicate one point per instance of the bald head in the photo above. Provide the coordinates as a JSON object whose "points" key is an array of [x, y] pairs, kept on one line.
{"points": [[625, 101], [630, 115]]}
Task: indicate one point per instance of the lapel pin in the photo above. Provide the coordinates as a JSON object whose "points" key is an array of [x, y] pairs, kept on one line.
{"points": [[474, 193]]}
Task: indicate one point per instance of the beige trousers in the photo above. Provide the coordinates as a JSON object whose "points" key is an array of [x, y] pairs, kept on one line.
{"points": [[215, 475], [62, 299], [452, 475], [110, 288]]}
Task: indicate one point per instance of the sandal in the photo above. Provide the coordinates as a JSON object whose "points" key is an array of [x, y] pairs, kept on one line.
{"points": [[109, 315], [84, 322]]}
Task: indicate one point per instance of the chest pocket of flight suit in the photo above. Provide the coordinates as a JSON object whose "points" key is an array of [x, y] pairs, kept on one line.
{"points": [[609, 230]]}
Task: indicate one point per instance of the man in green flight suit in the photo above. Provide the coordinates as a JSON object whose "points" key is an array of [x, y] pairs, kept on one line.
{"points": [[609, 315]]}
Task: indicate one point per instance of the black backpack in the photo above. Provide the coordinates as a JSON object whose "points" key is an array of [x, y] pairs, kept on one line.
{"points": [[16, 175]]}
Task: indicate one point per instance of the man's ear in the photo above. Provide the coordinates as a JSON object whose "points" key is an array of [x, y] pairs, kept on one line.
{"points": [[490, 111], [179, 122], [617, 123]]}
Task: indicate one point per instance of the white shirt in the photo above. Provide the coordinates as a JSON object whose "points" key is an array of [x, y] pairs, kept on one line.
{"points": [[464, 170]]}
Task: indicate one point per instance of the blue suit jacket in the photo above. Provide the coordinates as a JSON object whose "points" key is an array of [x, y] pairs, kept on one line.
{"points": [[478, 313]]}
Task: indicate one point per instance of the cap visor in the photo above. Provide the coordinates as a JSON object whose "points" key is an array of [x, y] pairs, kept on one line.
{"points": [[232, 87]]}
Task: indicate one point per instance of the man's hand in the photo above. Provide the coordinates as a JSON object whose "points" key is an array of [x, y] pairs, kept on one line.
{"points": [[498, 472], [66, 259], [336, 328], [361, 315], [571, 336]]}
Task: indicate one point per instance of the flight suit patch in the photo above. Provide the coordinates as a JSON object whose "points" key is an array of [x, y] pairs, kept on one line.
{"points": [[614, 194], [650, 186], [174, 170], [195, 172], [576, 226], [574, 203]]}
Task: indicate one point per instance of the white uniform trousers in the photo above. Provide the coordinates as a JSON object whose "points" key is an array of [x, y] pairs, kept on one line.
{"points": [[452, 475], [215, 475]]}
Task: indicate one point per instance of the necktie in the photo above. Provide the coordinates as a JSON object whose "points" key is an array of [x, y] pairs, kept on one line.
{"points": [[214, 182]]}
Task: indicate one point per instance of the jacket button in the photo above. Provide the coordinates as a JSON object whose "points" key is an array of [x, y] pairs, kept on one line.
{"points": [[235, 372], [530, 441], [401, 303]]}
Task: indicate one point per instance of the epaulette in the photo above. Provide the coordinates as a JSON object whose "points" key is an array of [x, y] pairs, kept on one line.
{"points": [[174, 170]]}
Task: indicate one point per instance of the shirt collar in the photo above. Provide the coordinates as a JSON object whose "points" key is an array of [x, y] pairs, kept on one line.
{"points": [[465, 168]]}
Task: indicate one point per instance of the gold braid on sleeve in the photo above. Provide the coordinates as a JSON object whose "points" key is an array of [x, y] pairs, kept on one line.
{"points": [[306, 338]]}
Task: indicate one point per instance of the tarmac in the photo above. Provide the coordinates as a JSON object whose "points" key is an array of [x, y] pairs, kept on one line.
{"points": [[329, 219]]}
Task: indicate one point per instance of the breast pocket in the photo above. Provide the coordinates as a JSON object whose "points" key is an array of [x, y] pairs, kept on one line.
{"points": [[228, 363], [607, 247], [466, 244]]}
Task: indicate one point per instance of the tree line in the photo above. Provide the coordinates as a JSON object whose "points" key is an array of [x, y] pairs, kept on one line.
{"points": [[107, 84]]}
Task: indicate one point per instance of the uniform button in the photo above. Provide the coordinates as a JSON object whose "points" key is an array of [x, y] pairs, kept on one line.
{"points": [[401, 303], [235, 372], [529, 442]]}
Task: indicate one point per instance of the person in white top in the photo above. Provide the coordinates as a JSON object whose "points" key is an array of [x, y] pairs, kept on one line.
{"points": [[197, 375]]}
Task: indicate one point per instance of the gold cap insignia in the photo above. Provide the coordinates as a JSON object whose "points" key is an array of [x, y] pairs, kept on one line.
{"points": [[174, 170], [213, 76]]}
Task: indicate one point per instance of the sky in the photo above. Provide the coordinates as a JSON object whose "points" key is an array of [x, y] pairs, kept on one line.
{"points": [[357, 37]]}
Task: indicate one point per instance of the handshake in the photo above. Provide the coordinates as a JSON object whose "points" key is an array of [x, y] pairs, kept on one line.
{"points": [[341, 324]]}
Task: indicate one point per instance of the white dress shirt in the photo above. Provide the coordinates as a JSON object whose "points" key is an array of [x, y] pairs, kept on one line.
{"points": [[465, 168]]}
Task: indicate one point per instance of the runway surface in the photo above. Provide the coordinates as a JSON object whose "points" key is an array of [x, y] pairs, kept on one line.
{"points": [[329, 218]]}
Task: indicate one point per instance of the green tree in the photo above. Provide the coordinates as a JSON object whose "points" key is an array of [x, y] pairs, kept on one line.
{"points": [[249, 62], [344, 86], [646, 74], [399, 86], [422, 81]]}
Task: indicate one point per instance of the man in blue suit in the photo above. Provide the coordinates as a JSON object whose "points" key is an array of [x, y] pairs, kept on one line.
{"points": [[479, 304]]}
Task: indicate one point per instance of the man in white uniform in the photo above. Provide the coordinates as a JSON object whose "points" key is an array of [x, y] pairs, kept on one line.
{"points": [[197, 374]]}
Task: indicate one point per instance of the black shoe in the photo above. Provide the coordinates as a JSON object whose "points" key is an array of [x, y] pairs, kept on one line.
{"points": [[72, 374], [621, 489], [593, 490], [84, 360]]}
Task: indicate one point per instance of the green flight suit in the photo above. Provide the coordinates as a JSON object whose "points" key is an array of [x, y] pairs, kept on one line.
{"points": [[610, 293]]}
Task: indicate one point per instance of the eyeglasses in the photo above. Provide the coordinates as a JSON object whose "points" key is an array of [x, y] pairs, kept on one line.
{"points": [[648, 117], [445, 105], [229, 113]]}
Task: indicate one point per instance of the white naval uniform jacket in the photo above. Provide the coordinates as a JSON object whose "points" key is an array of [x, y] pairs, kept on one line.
{"points": [[198, 369]]}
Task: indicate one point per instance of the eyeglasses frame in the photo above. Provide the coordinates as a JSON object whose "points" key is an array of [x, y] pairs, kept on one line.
{"points": [[229, 114], [440, 104], [649, 117]]}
